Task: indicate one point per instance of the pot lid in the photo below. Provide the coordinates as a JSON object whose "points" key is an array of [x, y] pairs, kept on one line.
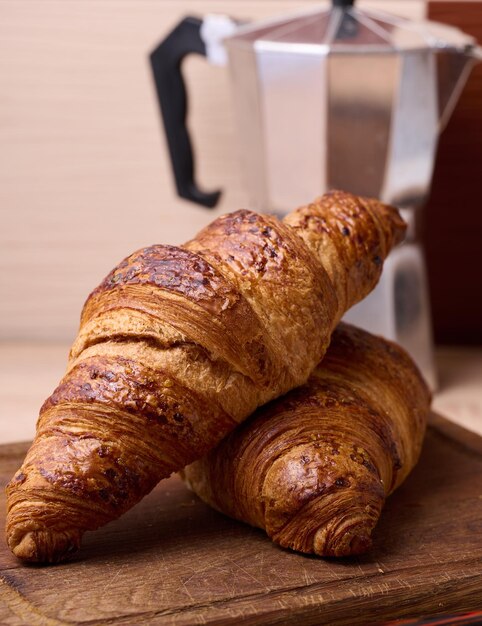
{"points": [[347, 29]]}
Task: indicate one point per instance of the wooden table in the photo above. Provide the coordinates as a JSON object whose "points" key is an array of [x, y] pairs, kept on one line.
{"points": [[172, 560]]}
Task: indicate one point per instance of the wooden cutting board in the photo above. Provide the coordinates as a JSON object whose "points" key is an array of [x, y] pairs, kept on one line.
{"points": [[172, 560]]}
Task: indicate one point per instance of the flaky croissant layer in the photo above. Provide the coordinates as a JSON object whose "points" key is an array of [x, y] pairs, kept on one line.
{"points": [[178, 345], [314, 467]]}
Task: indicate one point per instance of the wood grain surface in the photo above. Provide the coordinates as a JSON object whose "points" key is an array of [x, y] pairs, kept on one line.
{"points": [[172, 560]]}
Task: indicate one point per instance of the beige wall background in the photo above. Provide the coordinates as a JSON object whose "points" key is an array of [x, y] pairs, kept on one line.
{"points": [[84, 176]]}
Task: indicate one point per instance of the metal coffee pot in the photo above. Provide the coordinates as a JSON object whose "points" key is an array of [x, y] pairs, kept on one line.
{"points": [[331, 98]]}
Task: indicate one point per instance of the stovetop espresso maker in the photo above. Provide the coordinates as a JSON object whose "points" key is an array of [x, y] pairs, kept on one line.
{"points": [[331, 98]]}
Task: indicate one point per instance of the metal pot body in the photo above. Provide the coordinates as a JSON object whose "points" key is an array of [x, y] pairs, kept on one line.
{"points": [[333, 100], [337, 98]]}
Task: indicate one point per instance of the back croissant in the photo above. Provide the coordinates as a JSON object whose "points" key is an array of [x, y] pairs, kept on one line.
{"points": [[177, 346], [314, 467]]}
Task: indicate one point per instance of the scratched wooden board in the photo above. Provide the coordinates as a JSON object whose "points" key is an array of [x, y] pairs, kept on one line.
{"points": [[172, 560]]}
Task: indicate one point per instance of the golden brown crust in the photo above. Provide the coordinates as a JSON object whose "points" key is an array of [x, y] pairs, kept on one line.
{"points": [[273, 270], [313, 468], [171, 276], [176, 346], [352, 257]]}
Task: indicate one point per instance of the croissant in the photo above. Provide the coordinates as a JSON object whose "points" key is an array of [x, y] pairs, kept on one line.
{"points": [[177, 346], [314, 467]]}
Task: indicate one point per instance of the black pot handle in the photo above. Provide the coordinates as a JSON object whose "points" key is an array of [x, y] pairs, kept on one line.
{"points": [[166, 62]]}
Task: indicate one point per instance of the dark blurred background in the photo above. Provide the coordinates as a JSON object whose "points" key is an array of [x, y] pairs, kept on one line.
{"points": [[453, 218]]}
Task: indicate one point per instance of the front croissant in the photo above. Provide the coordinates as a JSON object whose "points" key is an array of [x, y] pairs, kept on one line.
{"points": [[177, 346], [314, 467]]}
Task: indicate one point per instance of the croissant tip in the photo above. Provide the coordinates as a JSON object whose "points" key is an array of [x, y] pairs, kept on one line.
{"points": [[25, 549], [360, 544], [344, 542], [40, 546]]}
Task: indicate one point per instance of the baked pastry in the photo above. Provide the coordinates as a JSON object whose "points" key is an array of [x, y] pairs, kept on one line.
{"points": [[180, 344], [314, 467]]}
